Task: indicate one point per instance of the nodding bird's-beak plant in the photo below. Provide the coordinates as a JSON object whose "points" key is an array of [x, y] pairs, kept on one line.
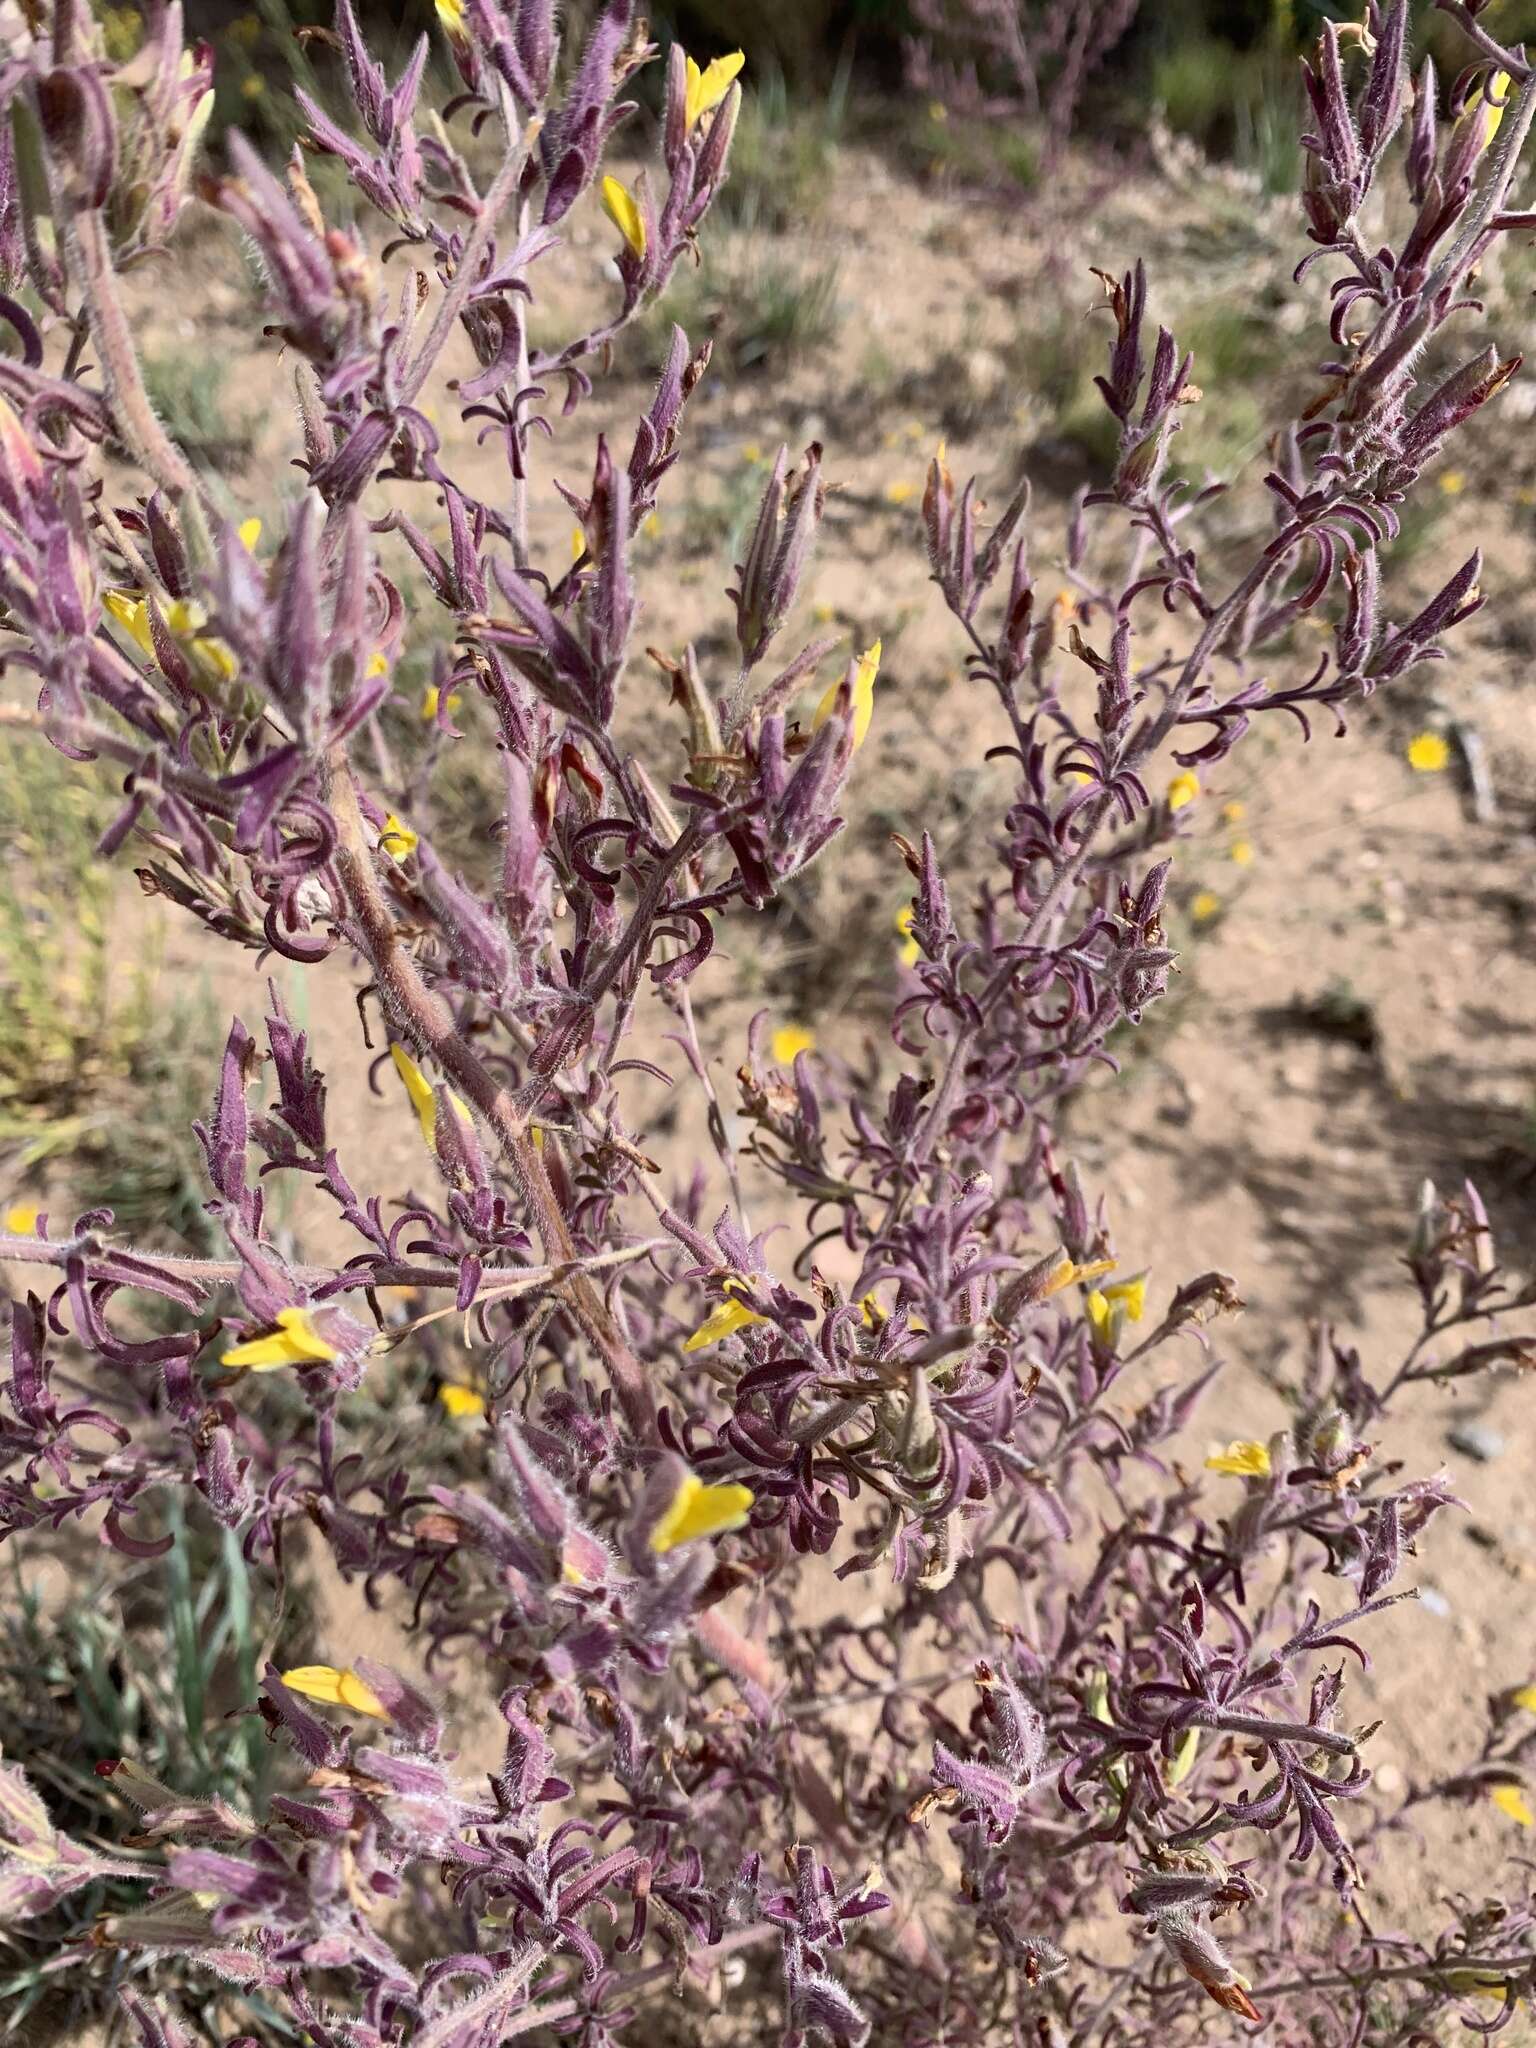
{"points": [[858, 1652]]}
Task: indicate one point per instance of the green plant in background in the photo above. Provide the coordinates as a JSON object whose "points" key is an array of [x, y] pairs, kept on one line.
{"points": [[91, 1064], [186, 386], [760, 304], [783, 155], [147, 1666]]}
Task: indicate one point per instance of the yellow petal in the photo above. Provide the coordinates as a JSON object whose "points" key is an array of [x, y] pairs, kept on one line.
{"points": [[623, 209], [723, 1320], [1181, 1763], [911, 951], [335, 1688], [1131, 1295], [1428, 753], [1242, 1459], [419, 1089], [397, 840], [451, 14], [1524, 1696], [295, 1341], [1511, 1800], [1498, 87], [132, 614], [1068, 1271], [1100, 1316], [707, 88], [698, 1509], [377, 665], [432, 697], [863, 695], [216, 656], [461, 1401], [1183, 790], [315, 1682], [788, 1040], [249, 531], [21, 1219]]}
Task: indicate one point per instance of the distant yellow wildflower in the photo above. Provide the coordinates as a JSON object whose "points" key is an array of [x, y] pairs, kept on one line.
{"points": [[1241, 853], [461, 1402], [1206, 905], [911, 951], [1428, 753], [788, 1040], [21, 1219], [1183, 789]]}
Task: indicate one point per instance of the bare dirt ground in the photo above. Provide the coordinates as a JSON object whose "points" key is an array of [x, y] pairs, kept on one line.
{"points": [[1352, 1013]]}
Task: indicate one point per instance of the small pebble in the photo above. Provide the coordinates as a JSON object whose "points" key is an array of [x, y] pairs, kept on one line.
{"points": [[1476, 1440]]}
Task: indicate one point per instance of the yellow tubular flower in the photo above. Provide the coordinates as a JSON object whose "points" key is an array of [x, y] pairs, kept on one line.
{"points": [[461, 1402], [1243, 1459], [1183, 790], [623, 209], [335, 1688], [723, 1320], [1180, 1764], [707, 88], [788, 1040], [1068, 1272], [250, 532], [911, 951], [1511, 1800], [863, 695], [132, 614], [377, 665], [420, 1090], [295, 1341], [451, 14], [1110, 1310], [432, 697], [397, 840], [1498, 88], [1524, 1696], [698, 1509]]}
